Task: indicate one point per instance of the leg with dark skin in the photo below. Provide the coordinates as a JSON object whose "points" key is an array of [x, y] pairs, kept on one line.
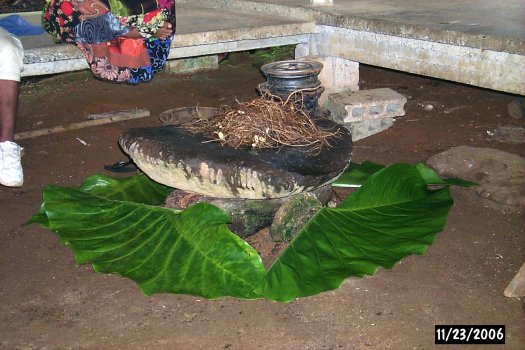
{"points": [[8, 108]]}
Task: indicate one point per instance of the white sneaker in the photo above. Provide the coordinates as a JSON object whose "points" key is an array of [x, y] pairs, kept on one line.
{"points": [[11, 173]]}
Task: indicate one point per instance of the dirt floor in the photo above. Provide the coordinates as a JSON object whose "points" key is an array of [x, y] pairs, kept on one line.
{"points": [[48, 302]]}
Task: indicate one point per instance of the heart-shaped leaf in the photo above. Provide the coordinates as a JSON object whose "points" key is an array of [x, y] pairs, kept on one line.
{"points": [[391, 216], [114, 225]]}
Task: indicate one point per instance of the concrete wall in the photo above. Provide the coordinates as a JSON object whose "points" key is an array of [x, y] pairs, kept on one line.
{"points": [[484, 68]]}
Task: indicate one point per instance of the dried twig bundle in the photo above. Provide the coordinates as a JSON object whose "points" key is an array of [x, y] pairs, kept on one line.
{"points": [[263, 123]]}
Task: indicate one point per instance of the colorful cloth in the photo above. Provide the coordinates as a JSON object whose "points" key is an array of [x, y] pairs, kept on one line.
{"points": [[97, 28]]}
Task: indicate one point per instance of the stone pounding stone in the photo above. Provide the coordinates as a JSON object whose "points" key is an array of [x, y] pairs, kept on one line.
{"points": [[293, 215], [176, 158], [501, 175], [247, 215]]}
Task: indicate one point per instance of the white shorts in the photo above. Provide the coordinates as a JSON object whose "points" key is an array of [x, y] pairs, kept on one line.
{"points": [[11, 56]]}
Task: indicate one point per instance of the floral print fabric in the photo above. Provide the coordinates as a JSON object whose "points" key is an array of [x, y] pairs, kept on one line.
{"points": [[97, 27]]}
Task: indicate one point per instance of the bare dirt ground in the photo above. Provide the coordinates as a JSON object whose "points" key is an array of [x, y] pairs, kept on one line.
{"points": [[48, 302]]}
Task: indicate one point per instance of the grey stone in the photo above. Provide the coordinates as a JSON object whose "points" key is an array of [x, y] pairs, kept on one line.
{"points": [[293, 215], [516, 287], [247, 215], [516, 108], [501, 175], [509, 134], [172, 156], [192, 65]]}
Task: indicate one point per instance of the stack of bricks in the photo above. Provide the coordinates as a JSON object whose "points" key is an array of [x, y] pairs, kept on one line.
{"points": [[366, 112]]}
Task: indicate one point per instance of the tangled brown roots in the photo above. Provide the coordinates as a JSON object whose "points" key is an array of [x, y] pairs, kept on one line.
{"points": [[263, 123]]}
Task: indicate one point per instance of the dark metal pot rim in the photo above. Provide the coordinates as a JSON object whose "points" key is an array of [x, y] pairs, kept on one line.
{"points": [[283, 69]]}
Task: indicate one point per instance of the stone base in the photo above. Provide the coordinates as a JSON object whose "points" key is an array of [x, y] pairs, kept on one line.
{"points": [[248, 216], [291, 217]]}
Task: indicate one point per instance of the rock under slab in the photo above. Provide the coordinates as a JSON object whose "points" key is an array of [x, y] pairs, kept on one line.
{"points": [[501, 175], [247, 215], [291, 217]]}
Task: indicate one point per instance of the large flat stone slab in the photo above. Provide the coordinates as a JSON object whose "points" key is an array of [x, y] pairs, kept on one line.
{"points": [[174, 157]]}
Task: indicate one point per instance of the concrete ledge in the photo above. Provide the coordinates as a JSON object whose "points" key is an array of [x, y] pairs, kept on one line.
{"points": [[233, 45], [495, 70], [475, 42], [483, 24]]}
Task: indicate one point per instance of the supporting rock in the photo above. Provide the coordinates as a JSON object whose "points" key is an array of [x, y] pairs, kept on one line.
{"points": [[293, 215], [250, 215]]}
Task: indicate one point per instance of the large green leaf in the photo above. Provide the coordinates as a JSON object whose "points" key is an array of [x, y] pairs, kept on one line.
{"points": [[114, 225], [163, 251], [431, 178], [138, 188], [391, 216], [356, 174]]}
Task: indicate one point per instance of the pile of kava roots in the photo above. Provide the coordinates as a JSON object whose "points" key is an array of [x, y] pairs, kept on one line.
{"points": [[264, 123]]}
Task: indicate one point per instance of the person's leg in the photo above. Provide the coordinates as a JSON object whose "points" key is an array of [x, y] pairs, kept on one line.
{"points": [[8, 107], [11, 64]]}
